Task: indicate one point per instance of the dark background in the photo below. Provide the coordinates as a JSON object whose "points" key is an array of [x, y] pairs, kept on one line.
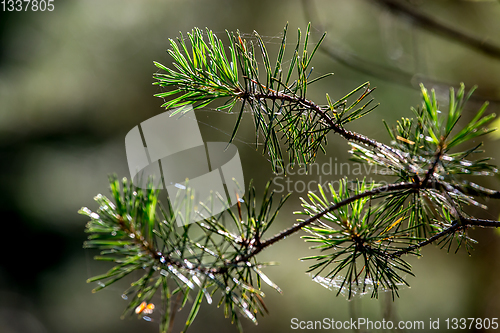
{"points": [[74, 81]]}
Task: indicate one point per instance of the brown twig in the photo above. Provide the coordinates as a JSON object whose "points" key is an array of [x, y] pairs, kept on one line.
{"points": [[428, 241], [487, 193], [432, 169], [298, 226], [277, 95], [456, 225], [173, 312]]}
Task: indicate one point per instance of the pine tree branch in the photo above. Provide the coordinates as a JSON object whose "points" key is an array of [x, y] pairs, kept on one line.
{"points": [[137, 236], [462, 223], [473, 222], [162, 259], [383, 189], [478, 191], [362, 232], [298, 226], [454, 227], [262, 245], [273, 95], [432, 169], [408, 160]]}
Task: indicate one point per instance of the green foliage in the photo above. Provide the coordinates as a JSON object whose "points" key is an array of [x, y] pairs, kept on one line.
{"points": [[429, 148], [417, 141], [208, 258], [361, 230], [202, 75], [357, 239], [277, 98]]}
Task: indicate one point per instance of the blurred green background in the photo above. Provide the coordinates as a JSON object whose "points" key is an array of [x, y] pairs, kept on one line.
{"points": [[74, 81]]}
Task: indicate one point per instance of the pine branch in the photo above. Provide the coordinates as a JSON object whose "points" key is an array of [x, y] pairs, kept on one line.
{"points": [[298, 226], [279, 107], [138, 236], [432, 169], [332, 124], [457, 225], [422, 147]]}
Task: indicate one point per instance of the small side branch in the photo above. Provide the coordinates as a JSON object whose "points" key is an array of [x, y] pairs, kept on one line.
{"points": [[348, 135], [457, 225], [482, 223], [454, 227], [298, 226], [432, 169], [157, 255], [487, 193]]}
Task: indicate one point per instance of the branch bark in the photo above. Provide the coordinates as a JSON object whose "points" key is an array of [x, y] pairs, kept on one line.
{"points": [[457, 225]]}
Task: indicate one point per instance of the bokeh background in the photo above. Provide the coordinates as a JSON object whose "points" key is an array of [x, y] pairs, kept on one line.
{"points": [[74, 81]]}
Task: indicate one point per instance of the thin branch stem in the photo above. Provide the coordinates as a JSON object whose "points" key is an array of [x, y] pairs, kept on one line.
{"points": [[148, 247], [478, 192], [432, 169], [298, 226], [472, 222], [428, 241], [463, 222], [348, 135], [458, 224]]}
